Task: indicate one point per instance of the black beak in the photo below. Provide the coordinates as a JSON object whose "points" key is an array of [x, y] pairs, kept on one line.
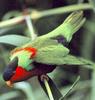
{"points": [[10, 69]]}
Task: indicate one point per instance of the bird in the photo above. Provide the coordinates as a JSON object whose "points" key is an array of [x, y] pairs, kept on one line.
{"points": [[42, 55]]}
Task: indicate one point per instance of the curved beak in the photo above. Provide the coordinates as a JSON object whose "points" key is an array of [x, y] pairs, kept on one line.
{"points": [[9, 83]]}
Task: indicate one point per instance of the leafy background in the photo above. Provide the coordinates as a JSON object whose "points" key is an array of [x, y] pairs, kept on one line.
{"points": [[46, 17]]}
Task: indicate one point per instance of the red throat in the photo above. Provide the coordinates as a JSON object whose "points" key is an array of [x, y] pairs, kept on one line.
{"points": [[21, 74]]}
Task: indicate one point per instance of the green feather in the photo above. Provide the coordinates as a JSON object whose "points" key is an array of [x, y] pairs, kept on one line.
{"points": [[51, 54], [23, 59], [72, 24], [60, 59], [73, 60], [41, 43]]}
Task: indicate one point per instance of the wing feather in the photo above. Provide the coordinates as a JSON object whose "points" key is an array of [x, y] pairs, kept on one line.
{"points": [[52, 54]]}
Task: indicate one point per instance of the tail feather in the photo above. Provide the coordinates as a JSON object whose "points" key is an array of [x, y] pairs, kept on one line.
{"points": [[72, 24]]}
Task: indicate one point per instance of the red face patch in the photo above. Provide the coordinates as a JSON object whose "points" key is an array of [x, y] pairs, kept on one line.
{"points": [[21, 74]]}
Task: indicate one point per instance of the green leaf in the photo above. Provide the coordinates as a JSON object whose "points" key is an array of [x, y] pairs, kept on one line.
{"points": [[11, 14], [54, 89], [92, 2], [14, 29], [15, 40], [52, 54]]}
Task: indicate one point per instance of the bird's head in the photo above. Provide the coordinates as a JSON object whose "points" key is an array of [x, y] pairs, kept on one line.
{"points": [[19, 68]]}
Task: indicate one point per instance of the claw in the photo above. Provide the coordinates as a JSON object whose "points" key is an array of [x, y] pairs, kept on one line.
{"points": [[44, 77]]}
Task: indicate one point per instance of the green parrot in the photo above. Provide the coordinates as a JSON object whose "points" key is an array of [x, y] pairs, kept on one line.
{"points": [[42, 55]]}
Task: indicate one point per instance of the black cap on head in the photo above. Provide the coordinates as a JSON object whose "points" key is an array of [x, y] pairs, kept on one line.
{"points": [[10, 69]]}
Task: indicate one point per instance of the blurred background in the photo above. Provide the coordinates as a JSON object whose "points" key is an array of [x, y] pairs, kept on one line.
{"points": [[82, 45]]}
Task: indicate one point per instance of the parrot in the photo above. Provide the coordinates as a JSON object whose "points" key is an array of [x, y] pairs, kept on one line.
{"points": [[42, 55]]}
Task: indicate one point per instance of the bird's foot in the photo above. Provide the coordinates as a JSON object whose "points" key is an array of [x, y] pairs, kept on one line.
{"points": [[44, 77]]}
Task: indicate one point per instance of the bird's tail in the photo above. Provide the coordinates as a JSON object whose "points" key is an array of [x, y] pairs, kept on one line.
{"points": [[72, 24]]}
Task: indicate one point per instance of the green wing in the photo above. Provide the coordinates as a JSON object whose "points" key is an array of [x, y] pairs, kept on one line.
{"points": [[73, 60], [52, 54], [58, 55]]}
